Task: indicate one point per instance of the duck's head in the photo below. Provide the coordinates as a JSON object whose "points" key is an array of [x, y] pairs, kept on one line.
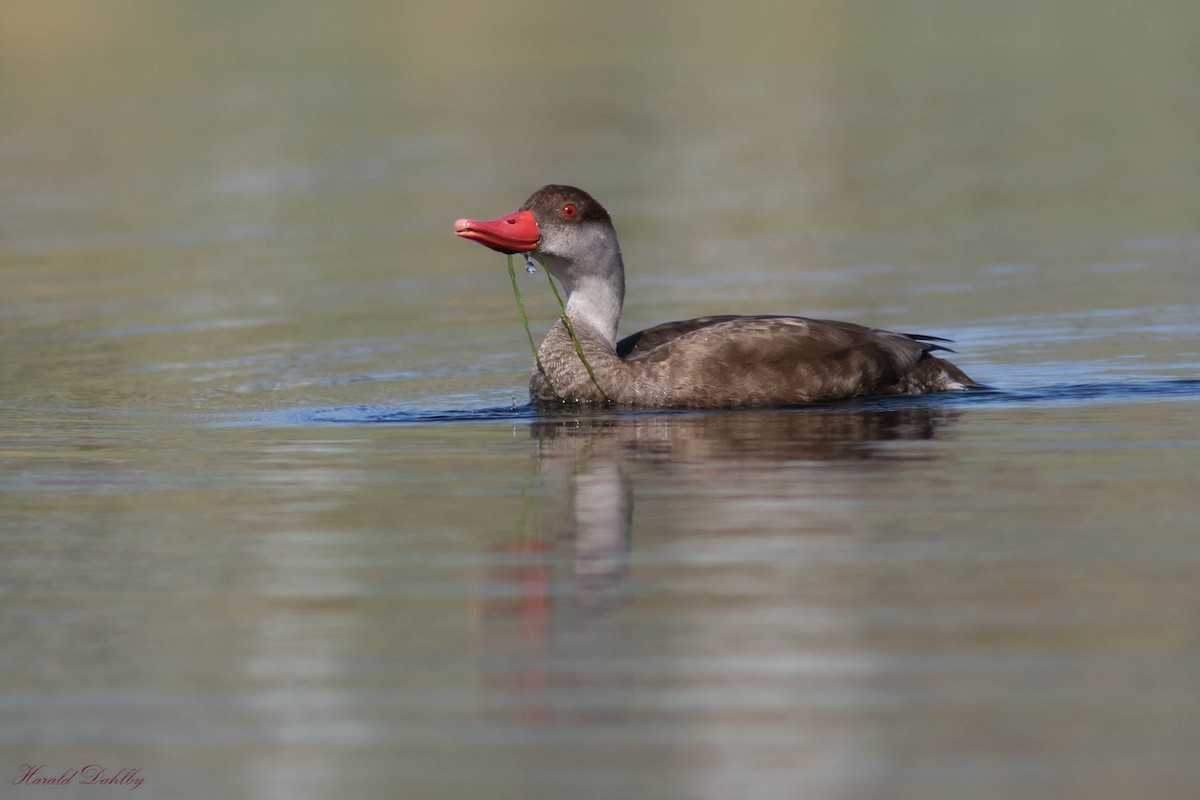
{"points": [[573, 236], [563, 225]]}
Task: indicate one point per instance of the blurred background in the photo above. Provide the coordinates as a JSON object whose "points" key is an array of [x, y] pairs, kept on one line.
{"points": [[226, 247], [280, 177]]}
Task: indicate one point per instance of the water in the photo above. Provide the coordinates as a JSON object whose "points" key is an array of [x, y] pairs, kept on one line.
{"points": [[276, 520]]}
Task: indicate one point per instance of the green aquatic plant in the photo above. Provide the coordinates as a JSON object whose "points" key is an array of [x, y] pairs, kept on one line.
{"points": [[512, 276]]}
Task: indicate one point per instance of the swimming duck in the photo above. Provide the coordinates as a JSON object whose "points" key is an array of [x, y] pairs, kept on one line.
{"points": [[709, 362]]}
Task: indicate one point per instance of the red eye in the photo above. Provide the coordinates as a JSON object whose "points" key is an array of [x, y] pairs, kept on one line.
{"points": [[569, 211]]}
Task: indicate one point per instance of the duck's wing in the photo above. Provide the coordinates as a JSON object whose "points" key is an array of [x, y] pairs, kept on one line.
{"points": [[773, 359], [642, 342]]}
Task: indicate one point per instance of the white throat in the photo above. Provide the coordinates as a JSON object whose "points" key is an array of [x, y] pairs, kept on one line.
{"points": [[597, 305], [593, 276]]}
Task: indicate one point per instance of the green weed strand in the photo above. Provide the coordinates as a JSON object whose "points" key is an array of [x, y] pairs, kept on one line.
{"points": [[512, 276]]}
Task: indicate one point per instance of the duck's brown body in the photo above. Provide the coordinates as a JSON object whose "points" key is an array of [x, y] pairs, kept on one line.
{"points": [[736, 362], [708, 362]]}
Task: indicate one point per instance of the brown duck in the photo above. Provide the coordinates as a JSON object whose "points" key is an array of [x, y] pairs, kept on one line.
{"points": [[707, 362]]}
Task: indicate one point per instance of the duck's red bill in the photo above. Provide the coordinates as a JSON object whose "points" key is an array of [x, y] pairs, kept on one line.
{"points": [[512, 233]]}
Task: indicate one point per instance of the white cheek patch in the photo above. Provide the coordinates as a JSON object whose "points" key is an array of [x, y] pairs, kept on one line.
{"points": [[584, 242]]}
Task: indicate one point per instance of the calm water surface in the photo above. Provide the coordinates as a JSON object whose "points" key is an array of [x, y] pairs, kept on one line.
{"points": [[276, 522]]}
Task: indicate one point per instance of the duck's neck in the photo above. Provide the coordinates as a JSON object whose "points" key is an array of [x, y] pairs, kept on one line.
{"points": [[596, 306], [595, 290]]}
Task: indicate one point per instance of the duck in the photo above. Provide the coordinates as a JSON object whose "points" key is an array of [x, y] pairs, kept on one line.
{"points": [[710, 362]]}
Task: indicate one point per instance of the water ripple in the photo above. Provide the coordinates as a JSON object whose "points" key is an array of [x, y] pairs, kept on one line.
{"points": [[1078, 393]]}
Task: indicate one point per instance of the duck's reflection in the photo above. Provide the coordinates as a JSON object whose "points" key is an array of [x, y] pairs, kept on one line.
{"points": [[564, 579], [822, 434], [585, 461]]}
